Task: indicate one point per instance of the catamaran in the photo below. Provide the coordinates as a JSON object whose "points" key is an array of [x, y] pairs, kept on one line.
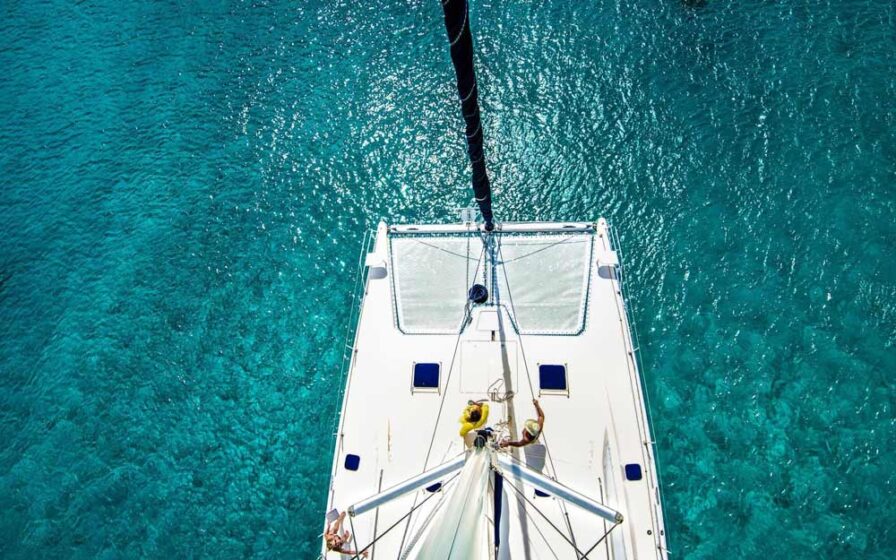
{"points": [[517, 316]]}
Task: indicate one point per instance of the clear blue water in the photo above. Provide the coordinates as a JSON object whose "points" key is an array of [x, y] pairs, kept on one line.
{"points": [[183, 192]]}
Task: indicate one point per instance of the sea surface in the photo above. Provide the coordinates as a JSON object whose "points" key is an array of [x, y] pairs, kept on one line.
{"points": [[184, 188]]}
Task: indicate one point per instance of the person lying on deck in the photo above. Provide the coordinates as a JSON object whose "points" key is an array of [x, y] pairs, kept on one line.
{"points": [[531, 431], [475, 416], [335, 541]]}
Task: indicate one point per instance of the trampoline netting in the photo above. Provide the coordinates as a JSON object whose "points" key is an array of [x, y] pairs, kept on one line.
{"points": [[541, 279]]}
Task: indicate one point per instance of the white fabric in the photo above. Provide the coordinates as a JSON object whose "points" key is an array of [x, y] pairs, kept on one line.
{"points": [[460, 530], [545, 275], [431, 276]]}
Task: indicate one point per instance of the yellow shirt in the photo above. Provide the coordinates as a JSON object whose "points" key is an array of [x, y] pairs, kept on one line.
{"points": [[467, 424]]}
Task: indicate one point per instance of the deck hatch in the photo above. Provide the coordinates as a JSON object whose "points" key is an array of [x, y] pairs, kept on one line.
{"points": [[352, 462], [552, 378], [426, 376], [633, 471]]}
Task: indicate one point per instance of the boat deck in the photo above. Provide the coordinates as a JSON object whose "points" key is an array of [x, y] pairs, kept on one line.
{"points": [[390, 430]]}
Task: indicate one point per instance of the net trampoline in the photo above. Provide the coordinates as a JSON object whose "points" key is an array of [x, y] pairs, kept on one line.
{"points": [[541, 279]]}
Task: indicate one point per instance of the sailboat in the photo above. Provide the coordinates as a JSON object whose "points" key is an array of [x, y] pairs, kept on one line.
{"points": [[527, 319]]}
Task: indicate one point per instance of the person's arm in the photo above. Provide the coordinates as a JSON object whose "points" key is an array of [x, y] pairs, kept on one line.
{"points": [[540, 415], [337, 525], [353, 553], [519, 443]]}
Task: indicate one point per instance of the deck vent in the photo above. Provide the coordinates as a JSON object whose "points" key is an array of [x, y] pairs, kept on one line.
{"points": [[541, 494], [633, 471], [426, 376], [434, 488], [552, 378], [352, 462]]}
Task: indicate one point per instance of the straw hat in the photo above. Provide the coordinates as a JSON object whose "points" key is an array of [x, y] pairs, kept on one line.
{"points": [[532, 428]]}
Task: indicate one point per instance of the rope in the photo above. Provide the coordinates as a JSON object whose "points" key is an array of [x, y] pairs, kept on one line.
{"points": [[551, 523], [540, 533], [423, 525], [602, 539], [536, 251], [358, 553], [450, 371], [351, 524], [437, 248]]}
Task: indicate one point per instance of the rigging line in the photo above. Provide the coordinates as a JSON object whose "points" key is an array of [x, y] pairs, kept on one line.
{"points": [[551, 523], [467, 313], [437, 248], [602, 500], [416, 538], [545, 248], [518, 334], [537, 528], [560, 504], [358, 553], [544, 437], [602, 539], [435, 426], [540, 533], [351, 524], [467, 263]]}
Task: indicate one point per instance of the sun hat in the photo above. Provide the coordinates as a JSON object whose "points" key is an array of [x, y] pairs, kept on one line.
{"points": [[532, 428]]}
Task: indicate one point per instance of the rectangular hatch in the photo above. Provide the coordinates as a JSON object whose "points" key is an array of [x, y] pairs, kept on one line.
{"points": [[483, 364]]}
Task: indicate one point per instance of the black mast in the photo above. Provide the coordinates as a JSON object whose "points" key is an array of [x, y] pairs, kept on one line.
{"points": [[457, 24]]}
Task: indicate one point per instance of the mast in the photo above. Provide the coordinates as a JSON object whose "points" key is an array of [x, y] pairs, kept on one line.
{"points": [[457, 24]]}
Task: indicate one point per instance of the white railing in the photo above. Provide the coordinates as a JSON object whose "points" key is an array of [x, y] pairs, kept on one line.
{"points": [[352, 323], [636, 357]]}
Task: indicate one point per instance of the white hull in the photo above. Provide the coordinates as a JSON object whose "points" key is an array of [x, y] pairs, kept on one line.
{"points": [[592, 430]]}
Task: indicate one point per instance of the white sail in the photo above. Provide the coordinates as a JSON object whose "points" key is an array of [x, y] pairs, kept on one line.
{"points": [[460, 530]]}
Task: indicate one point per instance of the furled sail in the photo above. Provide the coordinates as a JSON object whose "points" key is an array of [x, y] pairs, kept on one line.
{"points": [[460, 528], [457, 24]]}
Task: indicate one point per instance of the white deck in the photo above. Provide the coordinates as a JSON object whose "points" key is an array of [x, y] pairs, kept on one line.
{"points": [[590, 433]]}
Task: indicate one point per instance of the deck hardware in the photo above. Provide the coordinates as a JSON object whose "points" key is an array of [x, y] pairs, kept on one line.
{"points": [[426, 377], [633, 472], [552, 378], [352, 462], [478, 294]]}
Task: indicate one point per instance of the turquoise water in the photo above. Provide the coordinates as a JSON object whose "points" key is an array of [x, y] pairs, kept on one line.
{"points": [[185, 187]]}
